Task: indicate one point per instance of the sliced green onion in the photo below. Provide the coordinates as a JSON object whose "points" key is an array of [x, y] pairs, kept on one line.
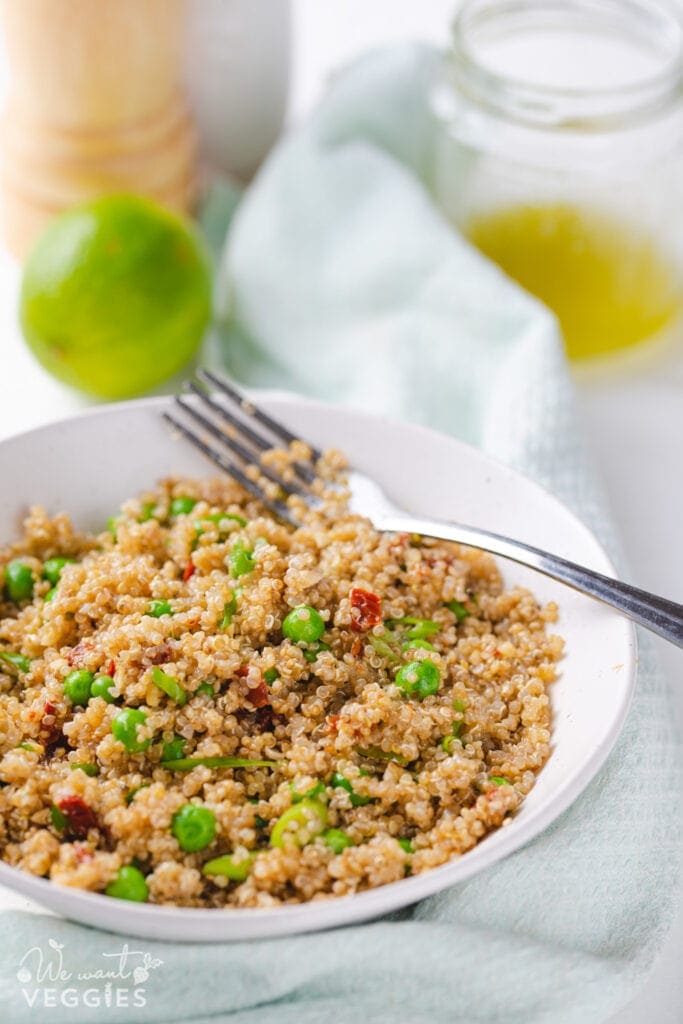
{"points": [[158, 608], [300, 824], [458, 609], [270, 675], [90, 769], [377, 754], [169, 685], [186, 764], [241, 560], [422, 645], [17, 661], [237, 870], [316, 792], [229, 609], [58, 819], [499, 780]]}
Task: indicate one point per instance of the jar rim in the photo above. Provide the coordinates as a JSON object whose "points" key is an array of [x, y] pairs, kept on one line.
{"points": [[583, 107]]}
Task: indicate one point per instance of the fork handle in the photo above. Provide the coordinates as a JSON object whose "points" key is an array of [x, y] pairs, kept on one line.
{"points": [[658, 614]]}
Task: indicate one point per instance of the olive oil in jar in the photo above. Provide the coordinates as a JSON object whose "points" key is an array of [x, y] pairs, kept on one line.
{"points": [[609, 284]]}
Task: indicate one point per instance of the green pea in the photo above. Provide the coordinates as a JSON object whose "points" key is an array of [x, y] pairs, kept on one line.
{"points": [[173, 749], [17, 661], [304, 624], [312, 652], [500, 780], [337, 840], [158, 608], [52, 569], [147, 512], [19, 581], [419, 679], [77, 686], [90, 769], [314, 793], [270, 675], [423, 645], [169, 685], [181, 506], [125, 729], [194, 827], [339, 781], [237, 870], [50, 594], [58, 819], [458, 610], [405, 844], [129, 884], [102, 687], [206, 688], [229, 609], [300, 824], [241, 560]]}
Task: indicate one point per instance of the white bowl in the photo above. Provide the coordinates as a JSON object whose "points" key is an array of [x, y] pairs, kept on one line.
{"points": [[88, 464]]}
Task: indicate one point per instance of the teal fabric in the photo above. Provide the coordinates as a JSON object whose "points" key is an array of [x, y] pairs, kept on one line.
{"points": [[341, 279]]}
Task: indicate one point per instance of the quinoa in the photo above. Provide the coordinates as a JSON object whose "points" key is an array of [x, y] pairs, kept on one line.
{"points": [[409, 779]]}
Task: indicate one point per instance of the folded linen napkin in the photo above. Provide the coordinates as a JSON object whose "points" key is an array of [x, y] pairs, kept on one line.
{"points": [[341, 279]]}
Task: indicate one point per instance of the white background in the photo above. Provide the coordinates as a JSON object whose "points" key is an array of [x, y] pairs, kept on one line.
{"points": [[633, 421]]}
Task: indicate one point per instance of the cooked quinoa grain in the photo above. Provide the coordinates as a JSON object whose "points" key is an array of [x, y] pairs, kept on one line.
{"points": [[203, 707]]}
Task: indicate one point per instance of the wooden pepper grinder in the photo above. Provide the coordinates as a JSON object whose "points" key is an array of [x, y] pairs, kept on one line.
{"points": [[95, 106]]}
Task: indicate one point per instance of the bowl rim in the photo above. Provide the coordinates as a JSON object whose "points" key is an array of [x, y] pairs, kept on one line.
{"points": [[306, 917]]}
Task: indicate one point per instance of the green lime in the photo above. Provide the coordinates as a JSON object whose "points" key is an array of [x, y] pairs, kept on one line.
{"points": [[115, 296]]}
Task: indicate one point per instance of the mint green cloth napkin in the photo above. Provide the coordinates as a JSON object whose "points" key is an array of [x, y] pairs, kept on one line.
{"points": [[341, 279]]}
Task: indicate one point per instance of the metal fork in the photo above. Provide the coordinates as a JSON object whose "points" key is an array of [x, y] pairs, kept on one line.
{"points": [[234, 432]]}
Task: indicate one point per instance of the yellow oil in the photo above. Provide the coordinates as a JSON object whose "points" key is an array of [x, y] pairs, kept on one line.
{"points": [[609, 285]]}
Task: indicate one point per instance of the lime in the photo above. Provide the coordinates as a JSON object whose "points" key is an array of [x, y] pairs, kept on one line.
{"points": [[115, 296]]}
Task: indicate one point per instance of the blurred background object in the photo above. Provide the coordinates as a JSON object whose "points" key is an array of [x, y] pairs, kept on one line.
{"points": [[94, 106], [98, 100], [561, 158], [237, 66]]}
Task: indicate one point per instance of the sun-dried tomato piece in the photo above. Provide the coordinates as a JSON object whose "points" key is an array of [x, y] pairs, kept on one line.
{"points": [[190, 570], [366, 610], [76, 655], [50, 726], [333, 723], [111, 668], [259, 696], [80, 818]]}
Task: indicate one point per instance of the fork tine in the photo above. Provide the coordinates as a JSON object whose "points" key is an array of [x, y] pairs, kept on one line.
{"points": [[231, 443], [228, 466], [252, 410]]}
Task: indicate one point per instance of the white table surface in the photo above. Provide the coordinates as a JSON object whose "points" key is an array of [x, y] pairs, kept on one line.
{"points": [[633, 422]]}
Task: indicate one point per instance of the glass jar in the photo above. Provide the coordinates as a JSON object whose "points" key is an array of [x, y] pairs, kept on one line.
{"points": [[560, 155]]}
